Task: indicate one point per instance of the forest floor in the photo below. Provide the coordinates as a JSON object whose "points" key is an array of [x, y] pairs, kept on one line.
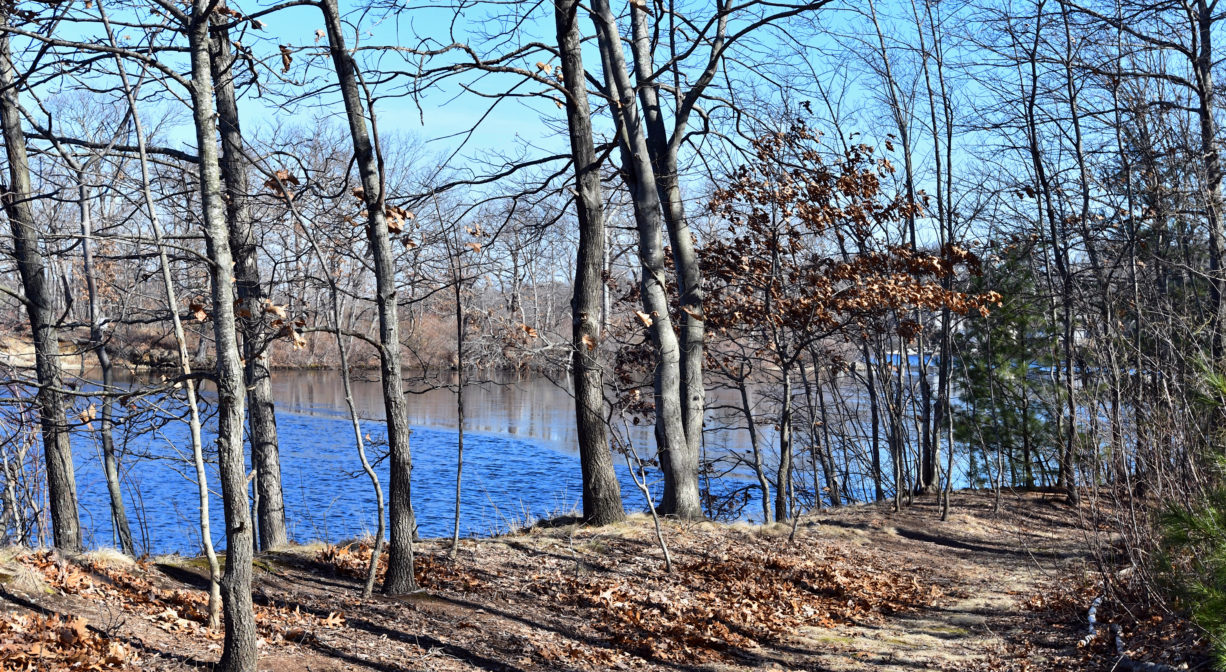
{"points": [[860, 588]]}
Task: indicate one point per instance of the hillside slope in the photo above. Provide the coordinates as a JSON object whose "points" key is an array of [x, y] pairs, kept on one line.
{"points": [[860, 588]]}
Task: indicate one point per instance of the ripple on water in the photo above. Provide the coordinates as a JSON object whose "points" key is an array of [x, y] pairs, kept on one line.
{"points": [[507, 481]]}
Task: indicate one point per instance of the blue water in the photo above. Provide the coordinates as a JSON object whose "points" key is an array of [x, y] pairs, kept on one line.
{"points": [[507, 481]]}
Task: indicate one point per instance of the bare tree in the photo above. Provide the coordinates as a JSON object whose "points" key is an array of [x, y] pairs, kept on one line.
{"points": [[602, 503], [17, 197], [400, 577], [265, 454]]}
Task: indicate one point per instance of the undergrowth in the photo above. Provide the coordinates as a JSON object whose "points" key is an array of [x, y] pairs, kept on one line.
{"points": [[1193, 563]]}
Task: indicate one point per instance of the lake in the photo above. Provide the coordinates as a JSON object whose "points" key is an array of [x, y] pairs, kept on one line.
{"points": [[520, 464]]}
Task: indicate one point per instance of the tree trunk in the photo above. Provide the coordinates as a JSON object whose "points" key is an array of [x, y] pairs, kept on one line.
{"points": [[741, 378], [342, 348], [602, 501], [262, 420], [189, 385], [239, 652], [663, 154], [61, 480], [457, 279], [783, 478], [1202, 67], [821, 445], [874, 410], [680, 465], [944, 196], [97, 341], [1059, 249], [400, 577]]}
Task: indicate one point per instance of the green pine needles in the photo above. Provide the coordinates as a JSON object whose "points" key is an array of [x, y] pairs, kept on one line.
{"points": [[1192, 562]]}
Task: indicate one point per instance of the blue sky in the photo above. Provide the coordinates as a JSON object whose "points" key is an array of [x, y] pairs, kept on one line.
{"points": [[446, 110]]}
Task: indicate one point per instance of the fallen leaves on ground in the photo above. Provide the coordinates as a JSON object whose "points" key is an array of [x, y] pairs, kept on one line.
{"points": [[570, 597], [1151, 632], [736, 598], [38, 642], [432, 573], [176, 611], [1053, 633], [716, 601]]}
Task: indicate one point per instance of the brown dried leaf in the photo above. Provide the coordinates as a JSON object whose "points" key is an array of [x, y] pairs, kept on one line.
{"points": [[273, 309]]}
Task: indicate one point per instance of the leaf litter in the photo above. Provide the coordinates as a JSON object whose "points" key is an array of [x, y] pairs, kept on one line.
{"points": [[578, 598]]}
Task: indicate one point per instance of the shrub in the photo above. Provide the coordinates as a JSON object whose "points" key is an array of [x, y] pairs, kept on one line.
{"points": [[1193, 564]]}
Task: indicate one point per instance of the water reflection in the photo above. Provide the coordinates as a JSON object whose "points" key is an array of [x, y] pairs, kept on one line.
{"points": [[530, 407]]}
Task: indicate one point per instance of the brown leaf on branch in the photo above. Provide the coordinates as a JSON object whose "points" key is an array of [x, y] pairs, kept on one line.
{"points": [[197, 311], [88, 415], [286, 58], [297, 340], [396, 218], [280, 183], [273, 309], [696, 314]]}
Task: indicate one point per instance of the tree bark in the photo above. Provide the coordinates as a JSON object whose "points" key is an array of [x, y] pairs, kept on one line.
{"points": [[39, 302], [1202, 68], [681, 495], [239, 651], [400, 577], [342, 348], [783, 476], [1059, 250], [759, 469], [262, 419], [602, 500], [189, 386], [662, 150]]}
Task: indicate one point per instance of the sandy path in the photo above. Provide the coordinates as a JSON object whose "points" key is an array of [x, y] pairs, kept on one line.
{"points": [[989, 563]]}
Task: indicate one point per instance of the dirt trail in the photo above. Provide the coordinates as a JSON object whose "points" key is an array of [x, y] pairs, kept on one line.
{"points": [[992, 564], [862, 588]]}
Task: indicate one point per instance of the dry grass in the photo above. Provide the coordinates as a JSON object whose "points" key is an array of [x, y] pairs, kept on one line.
{"points": [[108, 557]]}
